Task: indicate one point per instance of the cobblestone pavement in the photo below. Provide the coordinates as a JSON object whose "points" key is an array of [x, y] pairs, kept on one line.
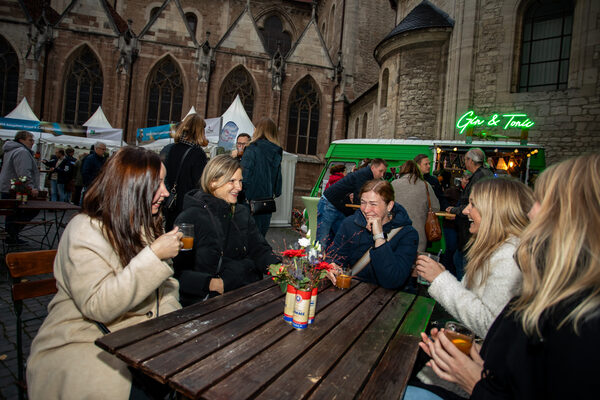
{"points": [[35, 310]]}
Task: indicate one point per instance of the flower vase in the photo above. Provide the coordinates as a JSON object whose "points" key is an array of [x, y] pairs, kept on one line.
{"points": [[19, 197], [24, 198], [290, 302], [313, 306], [301, 308]]}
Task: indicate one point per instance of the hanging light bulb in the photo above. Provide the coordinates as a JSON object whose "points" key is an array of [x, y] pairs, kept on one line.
{"points": [[501, 164]]}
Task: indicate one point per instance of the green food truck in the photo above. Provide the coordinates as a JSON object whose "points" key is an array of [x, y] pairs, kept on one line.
{"points": [[507, 158], [524, 161]]}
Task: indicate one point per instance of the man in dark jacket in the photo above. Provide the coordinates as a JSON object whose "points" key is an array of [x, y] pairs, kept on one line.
{"points": [[92, 164], [474, 162], [332, 209]]}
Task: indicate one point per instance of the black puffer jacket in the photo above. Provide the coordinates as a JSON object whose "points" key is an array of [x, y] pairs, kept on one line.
{"points": [[246, 254]]}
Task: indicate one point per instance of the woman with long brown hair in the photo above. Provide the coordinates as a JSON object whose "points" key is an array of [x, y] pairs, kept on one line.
{"points": [[544, 344], [261, 165], [110, 273], [185, 161]]}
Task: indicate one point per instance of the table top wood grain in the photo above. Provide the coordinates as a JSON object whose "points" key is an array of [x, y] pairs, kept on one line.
{"points": [[363, 344]]}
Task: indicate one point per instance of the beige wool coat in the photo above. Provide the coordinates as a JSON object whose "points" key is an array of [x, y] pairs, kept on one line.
{"points": [[93, 285], [413, 198]]}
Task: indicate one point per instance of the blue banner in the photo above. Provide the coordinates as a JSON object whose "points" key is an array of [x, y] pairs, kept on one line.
{"points": [[155, 132]]}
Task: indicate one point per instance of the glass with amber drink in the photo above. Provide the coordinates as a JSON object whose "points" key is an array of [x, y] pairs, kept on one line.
{"points": [[460, 335], [344, 279], [188, 236]]}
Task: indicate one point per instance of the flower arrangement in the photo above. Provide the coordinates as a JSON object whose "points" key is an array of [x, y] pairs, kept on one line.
{"points": [[302, 267], [20, 188]]}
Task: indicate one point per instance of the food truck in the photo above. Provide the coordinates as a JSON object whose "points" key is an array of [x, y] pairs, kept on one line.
{"points": [[523, 161]]}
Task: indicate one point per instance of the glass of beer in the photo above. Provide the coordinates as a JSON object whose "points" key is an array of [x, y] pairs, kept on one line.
{"points": [[344, 279], [460, 335], [188, 236]]}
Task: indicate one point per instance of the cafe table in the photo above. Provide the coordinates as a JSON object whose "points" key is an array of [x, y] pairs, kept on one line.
{"points": [[57, 208], [362, 344]]}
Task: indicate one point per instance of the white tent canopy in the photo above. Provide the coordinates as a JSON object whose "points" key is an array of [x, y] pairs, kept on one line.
{"points": [[192, 111], [235, 121], [98, 120], [22, 111]]}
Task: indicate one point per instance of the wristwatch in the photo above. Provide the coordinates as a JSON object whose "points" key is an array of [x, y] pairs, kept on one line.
{"points": [[378, 236]]}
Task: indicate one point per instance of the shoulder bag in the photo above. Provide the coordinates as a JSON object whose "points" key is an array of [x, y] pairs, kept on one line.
{"points": [[366, 258], [265, 205], [171, 201], [433, 230]]}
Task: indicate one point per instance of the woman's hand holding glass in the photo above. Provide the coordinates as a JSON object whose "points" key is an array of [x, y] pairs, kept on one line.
{"points": [[451, 364], [168, 244], [428, 268], [333, 272]]}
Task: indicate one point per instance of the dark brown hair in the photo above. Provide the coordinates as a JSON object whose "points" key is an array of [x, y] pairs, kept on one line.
{"points": [[381, 187], [420, 157], [192, 130], [337, 168], [121, 199], [411, 168]]}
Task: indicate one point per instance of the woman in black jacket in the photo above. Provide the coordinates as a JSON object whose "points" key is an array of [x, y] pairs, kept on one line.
{"points": [[229, 251], [185, 162], [261, 164]]}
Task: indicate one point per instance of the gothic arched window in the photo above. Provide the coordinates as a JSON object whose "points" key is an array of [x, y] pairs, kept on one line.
{"points": [[546, 46], [83, 87], [9, 77], [385, 79], [273, 34], [165, 94], [365, 123], [192, 21], [303, 121], [238, 82]]}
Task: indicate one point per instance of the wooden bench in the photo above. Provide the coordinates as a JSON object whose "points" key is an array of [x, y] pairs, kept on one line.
{"points": [[30, 265]]}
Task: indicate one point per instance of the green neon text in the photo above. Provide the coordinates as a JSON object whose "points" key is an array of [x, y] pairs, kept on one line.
{"points": [[506, 121]]}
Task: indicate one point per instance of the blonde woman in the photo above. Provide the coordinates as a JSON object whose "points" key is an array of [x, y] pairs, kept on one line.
{"points": [[228, 252], [185, 160], [545, 343], [498, 211], [261, 164]]}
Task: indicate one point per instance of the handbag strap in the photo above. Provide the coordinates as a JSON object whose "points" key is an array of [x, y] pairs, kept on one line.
{"points": [[104, 329], [428, 198], [174, 188], [366, 258]]}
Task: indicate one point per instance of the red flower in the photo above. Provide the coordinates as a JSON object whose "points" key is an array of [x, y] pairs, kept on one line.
{"points": [[294, 253], [323, 265]]}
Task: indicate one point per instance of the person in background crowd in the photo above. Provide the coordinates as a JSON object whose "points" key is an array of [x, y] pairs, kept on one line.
{"points": [[65, 169], [241, 142], [91, 166], [475, 163], [498, 209], [336, 172], [261, 165], [55, 160], [19, 162], [368, 231], [424, 165], [544, 344], [411, 192], [76, 198], [332, 210], [229, 251], [110, 274], [187, 158]]}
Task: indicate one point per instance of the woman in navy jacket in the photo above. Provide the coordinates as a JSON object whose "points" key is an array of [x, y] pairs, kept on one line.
{"points": [[368, 230]]}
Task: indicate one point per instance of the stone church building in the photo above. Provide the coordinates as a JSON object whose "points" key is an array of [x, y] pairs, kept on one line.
{"points": [[323, 70]]}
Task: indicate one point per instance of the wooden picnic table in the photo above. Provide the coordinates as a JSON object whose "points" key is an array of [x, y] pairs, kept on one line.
{"points": [[363, 343]]}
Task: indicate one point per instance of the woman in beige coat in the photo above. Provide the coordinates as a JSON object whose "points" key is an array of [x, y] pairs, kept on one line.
{"points": [[409, 191], [107, 270]]}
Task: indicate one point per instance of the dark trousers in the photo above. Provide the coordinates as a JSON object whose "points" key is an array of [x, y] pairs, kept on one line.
{"points": [[13, 229], [262, 223]]}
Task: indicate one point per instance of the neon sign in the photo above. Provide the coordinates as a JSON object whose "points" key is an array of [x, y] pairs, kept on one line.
{"points": [[471, 120]]}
